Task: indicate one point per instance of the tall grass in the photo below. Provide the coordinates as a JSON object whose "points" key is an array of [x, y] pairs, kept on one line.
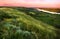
{"points": [[17, 24]]}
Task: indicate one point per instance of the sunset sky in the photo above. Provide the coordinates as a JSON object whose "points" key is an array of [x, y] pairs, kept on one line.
{"points": [[31, 3]]}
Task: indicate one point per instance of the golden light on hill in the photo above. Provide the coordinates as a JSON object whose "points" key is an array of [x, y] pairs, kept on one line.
{"points": [[51, 9]]}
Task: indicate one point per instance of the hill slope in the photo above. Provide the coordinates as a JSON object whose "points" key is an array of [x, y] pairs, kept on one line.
{"points": [[21, 23]]}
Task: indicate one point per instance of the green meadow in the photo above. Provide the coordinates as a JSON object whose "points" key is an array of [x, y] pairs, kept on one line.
{"points": [[28, 23]]}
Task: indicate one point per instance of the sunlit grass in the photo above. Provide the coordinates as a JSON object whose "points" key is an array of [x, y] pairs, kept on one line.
{"points": [[19, 25]]}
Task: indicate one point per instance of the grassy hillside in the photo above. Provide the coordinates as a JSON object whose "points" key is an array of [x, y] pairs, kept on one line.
{"points": [[24, 23]]}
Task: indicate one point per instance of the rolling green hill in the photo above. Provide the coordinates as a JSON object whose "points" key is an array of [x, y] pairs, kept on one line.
{"points": [[28, 23]]}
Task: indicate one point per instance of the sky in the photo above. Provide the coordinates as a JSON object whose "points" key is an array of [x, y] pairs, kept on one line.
{"points": [[31, 3]]}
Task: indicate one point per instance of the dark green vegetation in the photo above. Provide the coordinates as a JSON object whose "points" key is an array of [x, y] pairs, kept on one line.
{"points": [[27, 23]]}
